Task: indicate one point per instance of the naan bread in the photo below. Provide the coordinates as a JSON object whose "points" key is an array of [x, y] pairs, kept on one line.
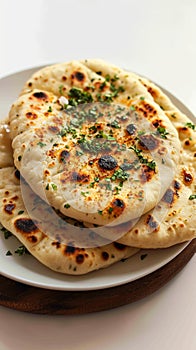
{"points": [[96, 162], [60, 257], [164, 227], [173, 220]]}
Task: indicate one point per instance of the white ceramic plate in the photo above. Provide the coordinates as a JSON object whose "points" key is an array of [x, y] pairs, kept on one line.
{"points": [[28, 270]]}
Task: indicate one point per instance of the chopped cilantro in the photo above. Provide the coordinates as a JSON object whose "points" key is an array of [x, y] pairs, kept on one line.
{"points": [[21, 250], [79, 96], [115, 124], [120, 174], [132, 108], [190, 125], [54, 186], [162, 131], [61, 89], [41, 144], [49, 109], [151, 164], [8, 253], [143, 256], [67, 206], [110, 210], [6, 233], [20, 212], [192, 196]]}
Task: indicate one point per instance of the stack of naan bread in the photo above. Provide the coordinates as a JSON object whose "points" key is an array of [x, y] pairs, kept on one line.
{"points": [[92, 147]]}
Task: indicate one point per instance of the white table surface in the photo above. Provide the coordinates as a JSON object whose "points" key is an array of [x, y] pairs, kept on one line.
{"points": [[158, 40]]}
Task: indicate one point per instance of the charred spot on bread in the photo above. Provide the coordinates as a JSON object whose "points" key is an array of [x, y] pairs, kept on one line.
{"points": [[54, 129], [152, 223], [17, 174], [169, 196], [79, 177], [70, 250], [105, 256], [57, 244], [146, 174], [119, 246], [118, 203], [78, 76], [40, 95], [177, 185], [187, 177], [148, 142], [64, 156], [31, 115], [131, 129], [25, 225], [8, 208], [80, 258], [107, 162], [152, 91]]}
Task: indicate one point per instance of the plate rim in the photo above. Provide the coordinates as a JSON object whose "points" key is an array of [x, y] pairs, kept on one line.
{"points": [[29, 71]]}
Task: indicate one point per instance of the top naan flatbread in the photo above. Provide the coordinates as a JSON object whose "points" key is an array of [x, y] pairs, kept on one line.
{"points": [[93, 142], [64, 257]]}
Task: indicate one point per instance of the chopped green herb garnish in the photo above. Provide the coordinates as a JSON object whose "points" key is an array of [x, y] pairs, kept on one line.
{"points": [[143, 256], [61, 89], [84, 193], [192, 196], [141, 132], [115, 124], [162, 131], [79, 96], [190, 125], [117, 190], [67, 206], [120, 174], [8, 253], [102, 85], [20, 212], [110, 210], [100, 212], [107, 77], [63, 132], [6, 233], [142, 98], [54, 187], [115, 77], [132, 108], [151, 164], [79, 153], [49, 109], [21, 250], [47, 187], [41, 144]]}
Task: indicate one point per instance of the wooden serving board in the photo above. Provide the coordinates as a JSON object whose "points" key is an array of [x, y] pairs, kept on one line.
{"points": [[23, 297]]}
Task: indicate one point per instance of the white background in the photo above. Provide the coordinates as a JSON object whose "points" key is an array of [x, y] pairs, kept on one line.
{"points": [[156, 39]]}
